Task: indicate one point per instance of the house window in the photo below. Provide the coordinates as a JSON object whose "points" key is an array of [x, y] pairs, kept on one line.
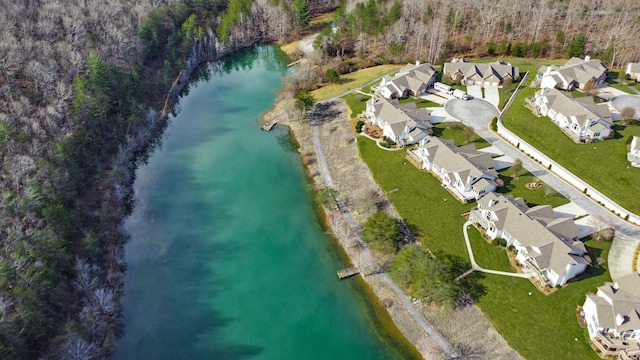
{"points": [[596, 134], [487, 215]]}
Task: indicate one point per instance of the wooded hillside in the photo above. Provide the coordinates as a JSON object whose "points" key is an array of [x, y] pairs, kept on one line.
{"points": [[83, 86], [433, 30]]}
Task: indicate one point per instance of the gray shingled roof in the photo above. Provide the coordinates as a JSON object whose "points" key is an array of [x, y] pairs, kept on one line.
{"points": [[583, 109], [582, 70], [494, 71], [624, 296], [545, 234], [413, 76]]}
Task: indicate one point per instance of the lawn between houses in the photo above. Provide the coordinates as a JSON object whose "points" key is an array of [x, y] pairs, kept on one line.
{"points": [[353, 80], [537, 326], [602, 164]]}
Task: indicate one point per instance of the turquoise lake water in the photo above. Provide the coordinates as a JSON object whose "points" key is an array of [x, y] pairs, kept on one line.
{"points": [[226, 259]]}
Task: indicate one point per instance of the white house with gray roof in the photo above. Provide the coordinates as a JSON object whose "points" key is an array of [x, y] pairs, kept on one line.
{"points": [[632, 71], [581, 118], [465, 172], [402, 123], [634, 152], [546, 246], [483, 74], [412, 80], [612, 316], [574, 74]]}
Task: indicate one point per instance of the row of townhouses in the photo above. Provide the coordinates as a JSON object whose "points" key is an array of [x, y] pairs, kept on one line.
{"points": [[465, 172], [547, 246]]}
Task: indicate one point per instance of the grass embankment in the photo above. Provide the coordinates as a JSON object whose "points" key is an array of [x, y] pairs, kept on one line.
{"points": [[537, 326], [603, 165], [353, 80]]}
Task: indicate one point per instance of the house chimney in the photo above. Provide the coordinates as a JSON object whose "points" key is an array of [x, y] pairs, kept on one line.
{"points": [[587, 58], [620, 319], [417, 62]]}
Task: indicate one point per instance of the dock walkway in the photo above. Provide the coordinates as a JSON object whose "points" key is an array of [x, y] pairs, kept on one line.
{"points": [[348, 272]]}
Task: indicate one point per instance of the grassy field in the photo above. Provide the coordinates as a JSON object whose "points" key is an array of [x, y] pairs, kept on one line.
{"points": [[603, 164], [353, 80], [356, 102], [455, 131], [537, 326], [543, 195], [420, 103]]}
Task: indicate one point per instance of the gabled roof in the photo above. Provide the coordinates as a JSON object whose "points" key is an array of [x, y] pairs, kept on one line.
{"points": [[495, 71], [580, 70], [399, 117], [582, 109], [413, 76], [463, 161], [545, 238], [618, 303]]}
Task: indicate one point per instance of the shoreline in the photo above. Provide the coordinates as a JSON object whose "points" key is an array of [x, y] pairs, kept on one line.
{"points": [[465, 328], [374, 287]]}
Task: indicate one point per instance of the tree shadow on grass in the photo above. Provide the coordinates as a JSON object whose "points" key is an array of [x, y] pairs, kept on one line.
{"points": [[470, 284]]}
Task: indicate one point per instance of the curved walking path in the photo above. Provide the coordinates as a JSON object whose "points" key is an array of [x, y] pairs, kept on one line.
{"points": [[417, 317], [475, 265]]}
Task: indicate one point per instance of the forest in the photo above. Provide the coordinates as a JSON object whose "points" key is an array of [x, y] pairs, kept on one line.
{"points": [[87, 86], [434, 31]]}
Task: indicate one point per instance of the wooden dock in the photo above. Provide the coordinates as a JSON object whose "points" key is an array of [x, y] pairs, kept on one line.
{"points": [[268, 126], [348, 272]]}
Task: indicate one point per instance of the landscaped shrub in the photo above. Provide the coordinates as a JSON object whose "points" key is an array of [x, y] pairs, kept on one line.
{"points": [[502, 242], [495, 242], [359, 126]]}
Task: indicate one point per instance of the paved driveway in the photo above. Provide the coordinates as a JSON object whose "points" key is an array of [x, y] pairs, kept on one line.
{"points": [[438, 115], [475, 91], [622, 101], [609, 92], [492, 95], [475, 113]]}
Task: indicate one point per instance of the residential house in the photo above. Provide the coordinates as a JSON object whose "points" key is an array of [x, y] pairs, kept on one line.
{"points": [[575, 74], [483, 74], [402, 123], [633, 71], [412, 80], [634, 152], [582, 119], [612, 316], [464, 171], [546, 246]]}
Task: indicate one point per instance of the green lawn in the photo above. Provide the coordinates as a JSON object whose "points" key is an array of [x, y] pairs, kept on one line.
{"points": [[543, 195], [356, 102], [537, 326], [487, 255], [455, 131], [621, 88], [603, 164], [420, 103], [352, 81]]}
